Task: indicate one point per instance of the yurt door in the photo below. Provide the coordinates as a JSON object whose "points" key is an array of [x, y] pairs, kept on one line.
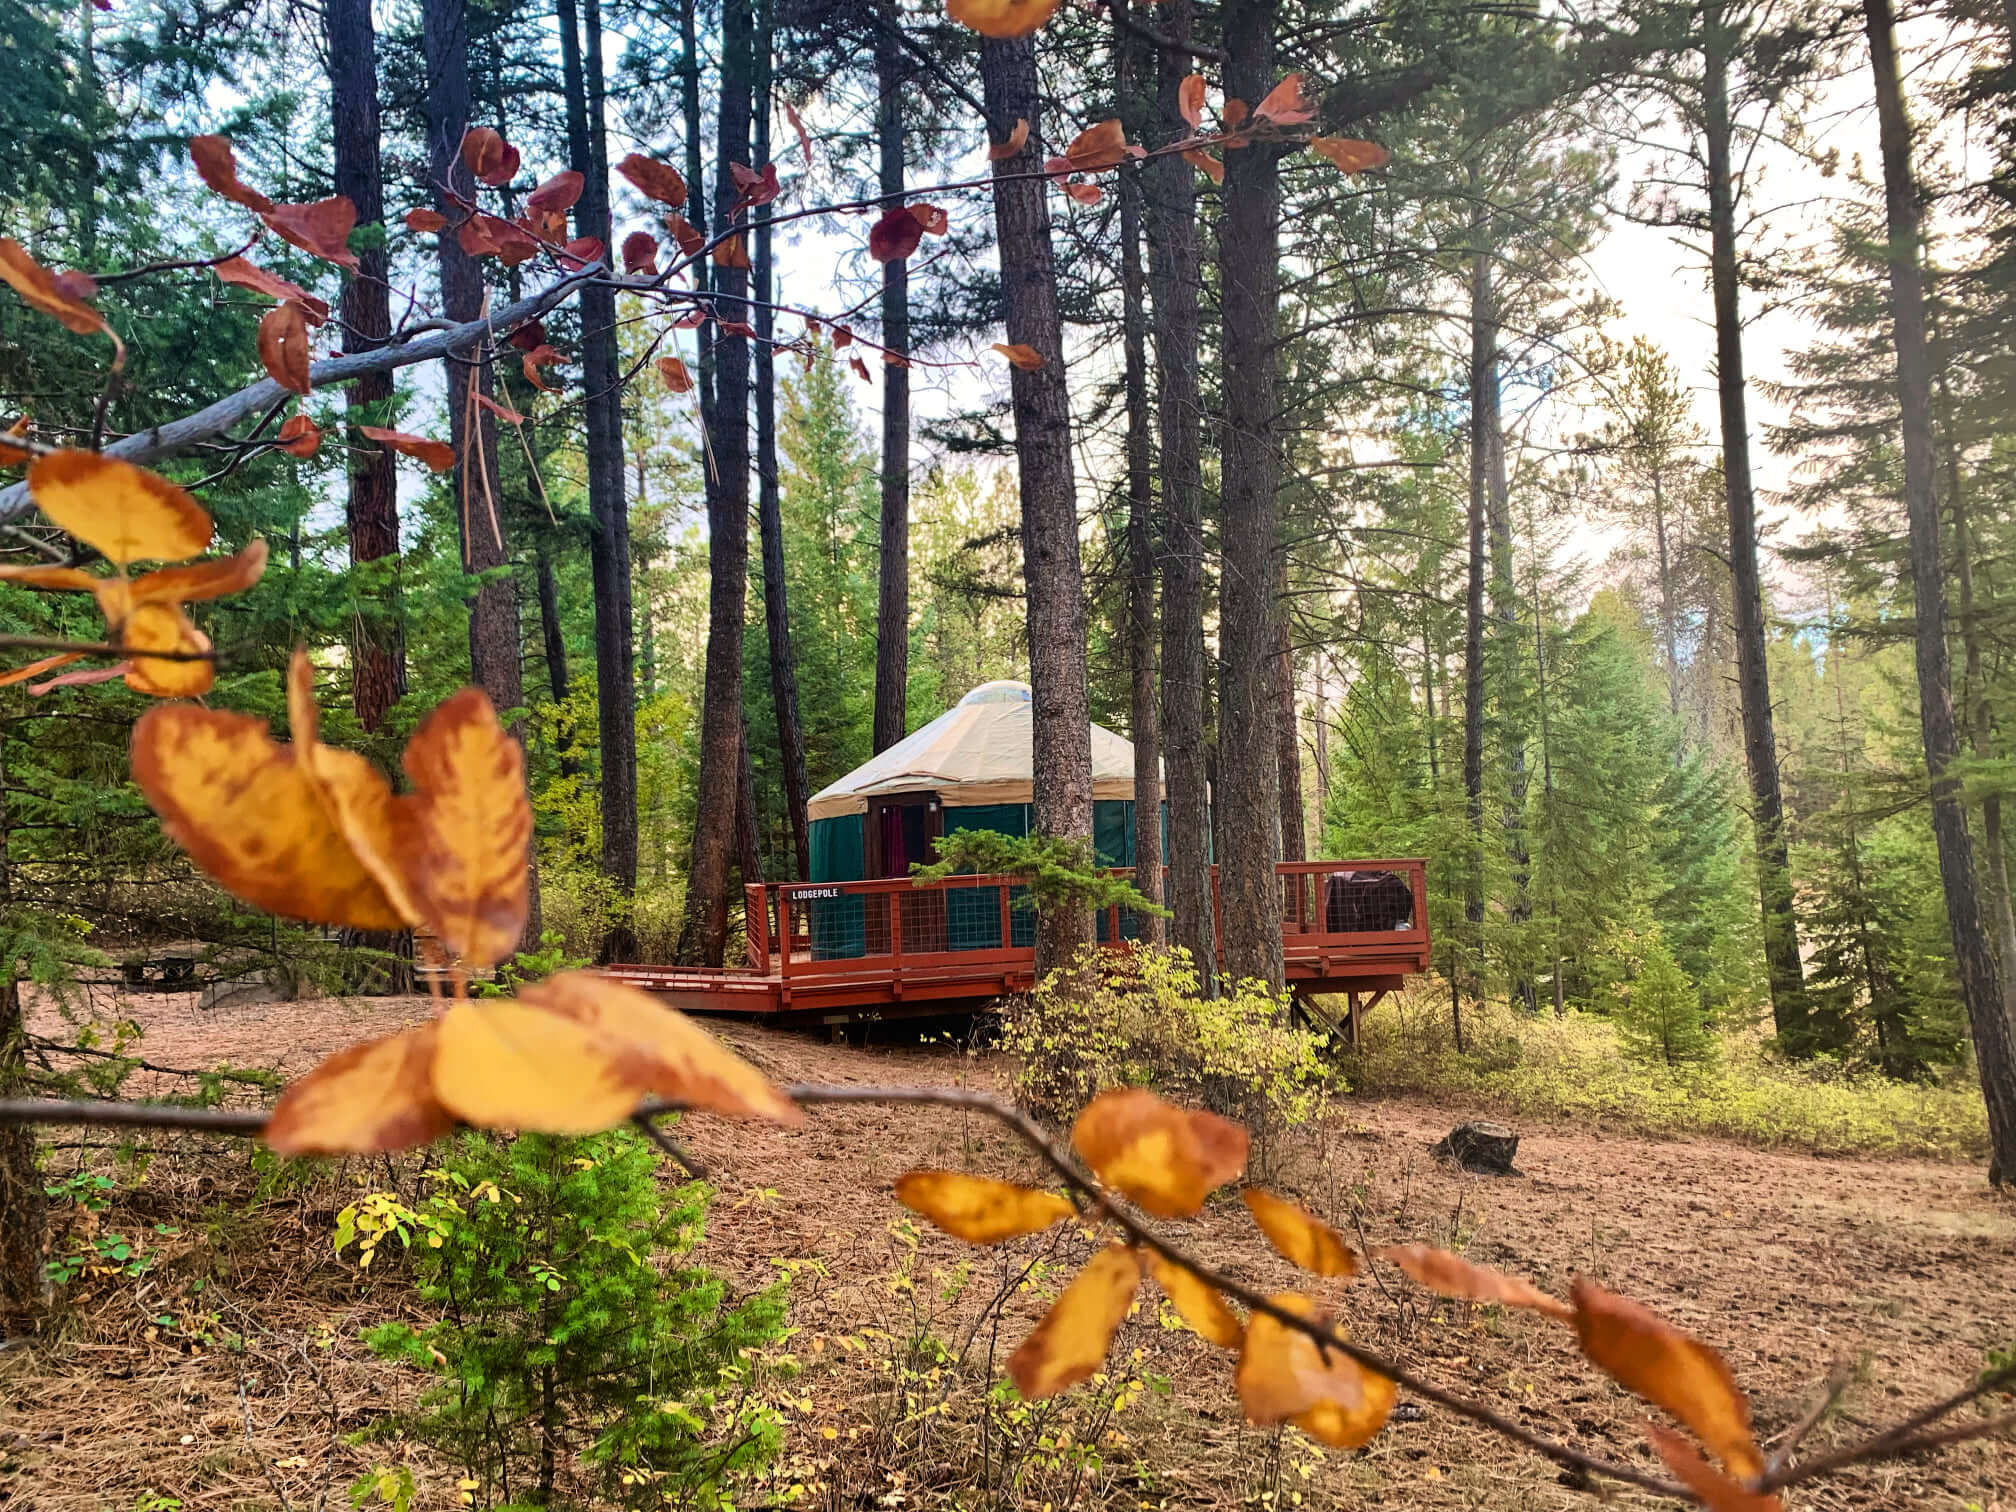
{"points": [[900, 832]]}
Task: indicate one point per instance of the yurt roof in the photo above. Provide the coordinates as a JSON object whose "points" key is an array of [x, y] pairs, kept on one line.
{"points": [[977, 752]]}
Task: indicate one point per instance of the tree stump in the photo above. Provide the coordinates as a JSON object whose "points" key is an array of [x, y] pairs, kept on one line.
{"points": [[1480, 1146]]}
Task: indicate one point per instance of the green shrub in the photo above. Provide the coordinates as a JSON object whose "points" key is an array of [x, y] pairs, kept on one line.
{"points": [[1576, 1068], [1137, 1017], [1660, 1014], [574, 1361]]}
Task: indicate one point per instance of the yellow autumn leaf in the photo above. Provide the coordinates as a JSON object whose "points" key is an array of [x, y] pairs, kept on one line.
{"points": [[1164, 1158], [369, 1098], [466, 853], [1072, 1340], [1285, 1375], [1301, 1237], [163, 627], [1198, 1302], [126, 512], [979, 1209], [501, 1064]]}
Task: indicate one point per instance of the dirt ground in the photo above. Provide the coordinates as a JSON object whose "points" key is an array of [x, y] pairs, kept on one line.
{"points": [[1786, 1263]]}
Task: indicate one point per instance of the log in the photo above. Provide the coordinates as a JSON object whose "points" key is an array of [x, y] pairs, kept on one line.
{"points": [[1480, 1146]]}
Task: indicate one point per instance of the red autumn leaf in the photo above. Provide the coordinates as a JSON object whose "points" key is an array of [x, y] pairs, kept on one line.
{"points": [[842, 336], [501, 411], [322, 228], [582, 252], [1349, 154], [538, 357], [492, 236], [640, 253], [654, 180], [1232, 113], [529, 336], [998, 152], [438, 455], [299, 436], [1190, 99], [686, 234], [1284, 105], [932, 218], [1096, 147], [1085, 194], [423, 220], [692, 320], [860, 369], [740, 328], [244, 275], [894, 236], [219, 169], [804, 137], [283, 347], [753, 188], [673, 371], [487, 155], [1213, 167], [82, 679], [557, 195]]}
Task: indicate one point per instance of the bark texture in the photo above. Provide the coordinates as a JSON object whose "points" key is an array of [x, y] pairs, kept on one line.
{"points": [[892, 604], [1041, 405], [1988, 1013], [1175, 276], [1249, 790], [703, 933], [377, 642], [1789, 1009]]}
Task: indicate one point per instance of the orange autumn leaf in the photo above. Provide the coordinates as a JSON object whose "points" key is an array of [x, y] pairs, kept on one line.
{"points": [[211, 578], [18, 431], [731, 253], [1004, 20], [508, 1065], [860, 369], [895, 235], [368, 1099], [673, 371], [1349, 154], [932, 218], [686, 234], [217, 165], [465, 836], [999, 152], [1285, 1375], [663, 1051], [245, 275], [1715, 1491], [49, 577], [1024, 357], [654, 180], [488, 156], [1198, 1302], [1071, 1341], [247, 814], [492, 236], [424, 220], [503, 412], [1232, 113], [979, 1209], [1084, 194], [1214, 168], [1284, 105], [37, 668], [283, 347], [842, 336], [438, 455], [299, 436], [321, 229], [39, 288], [1453, 1276], [1649, 1356], [1190, 99], [557, 195], [1096, 147], [1299, 1236], [126, 512], [1164, 1158]]}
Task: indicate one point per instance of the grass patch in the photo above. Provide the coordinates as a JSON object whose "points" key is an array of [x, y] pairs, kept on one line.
{"points": [[1575, 1069]]}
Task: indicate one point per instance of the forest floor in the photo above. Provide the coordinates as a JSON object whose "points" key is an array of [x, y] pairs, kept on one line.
{"points": [[1786, 1262]]}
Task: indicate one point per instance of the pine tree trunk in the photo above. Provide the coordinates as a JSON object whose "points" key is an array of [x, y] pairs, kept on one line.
{"points": [[377, 642], [1669, 611], [1175, 276], [1144, 717], [892, 606], [1988, 1012], [22, 1209], [1249, 789], [1040, 402], [495, 652], [769, 507], [1789, 1009], [1288, 745], [703, 933], [1483, 358], [555, 644]]}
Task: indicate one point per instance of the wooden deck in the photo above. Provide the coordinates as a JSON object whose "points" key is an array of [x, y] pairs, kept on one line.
{"points": [[836, 952]]}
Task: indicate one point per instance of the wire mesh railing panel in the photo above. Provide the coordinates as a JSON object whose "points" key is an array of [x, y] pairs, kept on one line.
{"points": [[1365, 902]]}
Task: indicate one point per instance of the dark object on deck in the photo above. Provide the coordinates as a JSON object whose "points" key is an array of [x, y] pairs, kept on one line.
{"points": [[1480, 1146], [1367, 902]]}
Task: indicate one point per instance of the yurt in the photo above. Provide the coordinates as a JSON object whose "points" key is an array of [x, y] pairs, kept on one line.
{"points": [[970, 768]]}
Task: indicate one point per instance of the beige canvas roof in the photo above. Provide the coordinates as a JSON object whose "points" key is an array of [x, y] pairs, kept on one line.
{"points": [[976, 752]]}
